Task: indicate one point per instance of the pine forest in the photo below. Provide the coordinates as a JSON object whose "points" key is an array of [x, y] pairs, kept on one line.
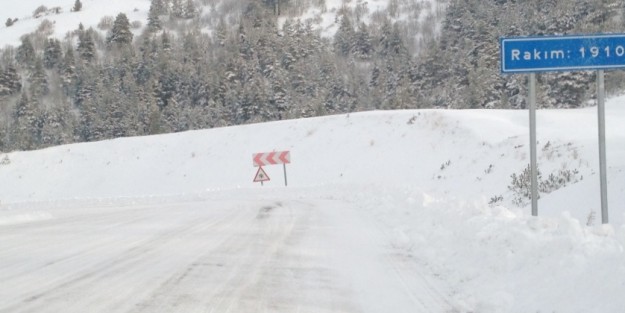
{"points": [[197, 64]]}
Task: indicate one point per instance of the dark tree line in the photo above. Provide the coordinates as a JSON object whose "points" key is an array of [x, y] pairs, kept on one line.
{"points": [[94, 87], [462, 69]]}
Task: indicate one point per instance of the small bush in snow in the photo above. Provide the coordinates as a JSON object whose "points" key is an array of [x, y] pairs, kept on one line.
{"points": [[106, 23], [5, 160], [46, 28], [521, 185], [590, 220], [136, 24], [77, 6], [489, 169], [10, 22], [495, 200], [559, 179], [39, 12]]}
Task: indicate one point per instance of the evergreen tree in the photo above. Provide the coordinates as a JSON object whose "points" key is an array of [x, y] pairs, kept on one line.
{"points": [[26, 123], [120, 34], [52, 53], [173, 118], [10, 81], [177, 9], [159, 6], [344, 37], [77, 6], [190, 11], [57, 126], [4, 90], [5, 139], [166, 42], [38, 80], [67, 71], [114, 115], [86, 45], [391, 44], [154, 21], [90, 126], [253, 99], [25, 53], [154, 120], [363, 47]]}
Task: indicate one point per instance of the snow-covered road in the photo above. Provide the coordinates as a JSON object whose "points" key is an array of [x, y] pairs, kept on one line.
{"points": [[222, 254]]}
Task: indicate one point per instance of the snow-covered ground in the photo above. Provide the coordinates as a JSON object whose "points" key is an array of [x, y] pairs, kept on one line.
{"points": [[384, 212], [66, 21], [422, 16]]}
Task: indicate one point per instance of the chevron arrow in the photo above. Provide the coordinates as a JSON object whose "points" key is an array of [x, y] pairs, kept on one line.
{"points": [[271, 158]]}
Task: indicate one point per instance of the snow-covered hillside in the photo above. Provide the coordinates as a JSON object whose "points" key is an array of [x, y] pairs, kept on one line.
{"points": [[66, 21], [418, 182], [422, 16], [395, 211]]}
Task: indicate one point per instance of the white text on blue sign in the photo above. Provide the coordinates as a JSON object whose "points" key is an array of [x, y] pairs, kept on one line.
{"points": [[562, 53]]}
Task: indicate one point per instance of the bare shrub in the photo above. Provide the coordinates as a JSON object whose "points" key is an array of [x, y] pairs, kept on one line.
{"points": [[40, 11], [10, 22], [136, 24], [46, 28], [106, 23], [521, 184]]}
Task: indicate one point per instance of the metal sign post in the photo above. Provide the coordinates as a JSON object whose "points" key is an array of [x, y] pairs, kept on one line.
{"points": [[533, 158], [565, 53], [602, 153]]}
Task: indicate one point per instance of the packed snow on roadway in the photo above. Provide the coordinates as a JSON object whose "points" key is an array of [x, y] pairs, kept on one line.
{"points": [[398, 211]]}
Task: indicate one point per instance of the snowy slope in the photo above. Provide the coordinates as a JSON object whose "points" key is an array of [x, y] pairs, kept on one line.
{"points": [[369, 194], [468, 155], [417, 12], [421, 16], [90, 15]]}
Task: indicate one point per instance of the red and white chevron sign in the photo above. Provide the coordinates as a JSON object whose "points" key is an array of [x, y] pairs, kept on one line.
{"points": [[271, 158]]}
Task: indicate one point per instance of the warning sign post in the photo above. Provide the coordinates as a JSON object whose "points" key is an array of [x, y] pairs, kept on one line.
{"points": [[261, 176], [270, 158]]}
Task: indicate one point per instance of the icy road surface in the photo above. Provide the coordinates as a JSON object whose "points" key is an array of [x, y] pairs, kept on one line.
{"points": [[210, 255]]}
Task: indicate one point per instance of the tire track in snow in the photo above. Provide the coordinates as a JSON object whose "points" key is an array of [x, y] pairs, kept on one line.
{"points": [[166, 297], [111, 268]]}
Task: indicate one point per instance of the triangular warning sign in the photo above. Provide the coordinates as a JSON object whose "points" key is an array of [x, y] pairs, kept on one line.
{"points": [[261, 176]]}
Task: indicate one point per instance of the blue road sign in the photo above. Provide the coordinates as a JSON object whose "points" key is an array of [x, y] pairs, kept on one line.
{"points": [[562, 53]]}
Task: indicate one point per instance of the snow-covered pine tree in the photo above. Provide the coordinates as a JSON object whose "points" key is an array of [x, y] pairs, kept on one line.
{"points": [[154, 21], [57, 125], [177, 9], [344, 37], [190, 10], [26, 121], [10, 81], [120, 34], [67, 70], [363, 48], [25, 55], [38, 80], [86, 45], [90, 126], [52, 53], [77, 6]]}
